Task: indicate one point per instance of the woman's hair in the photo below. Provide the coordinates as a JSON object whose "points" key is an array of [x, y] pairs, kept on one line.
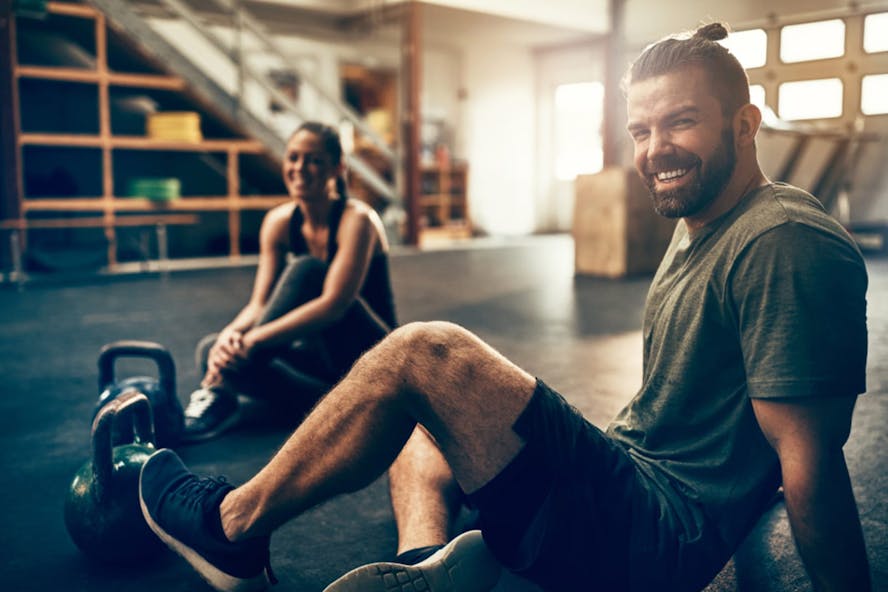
{"points": [[332, 147], [701, 49]]}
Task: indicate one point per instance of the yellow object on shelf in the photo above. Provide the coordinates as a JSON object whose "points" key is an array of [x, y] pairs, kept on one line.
{"points": [[178, 126]]}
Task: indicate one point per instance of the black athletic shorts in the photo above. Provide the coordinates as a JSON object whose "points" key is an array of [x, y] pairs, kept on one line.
{"points": [[567, 510]]}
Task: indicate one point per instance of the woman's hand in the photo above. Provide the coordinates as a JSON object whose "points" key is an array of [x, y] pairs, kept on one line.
{"points": [[225, 353]]}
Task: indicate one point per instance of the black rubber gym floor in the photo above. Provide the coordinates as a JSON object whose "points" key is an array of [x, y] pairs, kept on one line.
{"points": [[580, 334]]}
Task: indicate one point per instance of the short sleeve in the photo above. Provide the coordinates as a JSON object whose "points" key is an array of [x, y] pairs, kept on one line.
{"points": [[798, 294]]}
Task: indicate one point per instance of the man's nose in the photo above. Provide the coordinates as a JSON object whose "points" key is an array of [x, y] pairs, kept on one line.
{"points": [[659, 143]]}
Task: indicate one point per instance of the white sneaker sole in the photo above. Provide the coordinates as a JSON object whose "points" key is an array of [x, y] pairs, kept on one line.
{"points": [[463, 565]]}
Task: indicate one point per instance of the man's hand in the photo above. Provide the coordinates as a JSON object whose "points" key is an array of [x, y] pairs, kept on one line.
{"points": [[808, 435]]}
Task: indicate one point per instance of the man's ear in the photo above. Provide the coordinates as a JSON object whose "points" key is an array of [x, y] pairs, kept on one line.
{"points": [[746, 124]]}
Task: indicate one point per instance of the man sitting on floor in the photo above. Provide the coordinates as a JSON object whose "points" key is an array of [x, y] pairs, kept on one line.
{"points": [[754, 352]]}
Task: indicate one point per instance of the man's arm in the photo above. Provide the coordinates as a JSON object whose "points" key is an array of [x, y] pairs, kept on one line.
{"points": [[808, 435]]}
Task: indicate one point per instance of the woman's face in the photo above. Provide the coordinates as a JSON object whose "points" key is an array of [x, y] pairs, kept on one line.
{"points": [[307, 168]]}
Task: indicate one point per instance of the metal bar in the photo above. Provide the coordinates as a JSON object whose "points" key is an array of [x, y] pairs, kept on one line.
{"points": [[266, 39], [411, 55], [615, 52], [121, 13], [792, 161]]}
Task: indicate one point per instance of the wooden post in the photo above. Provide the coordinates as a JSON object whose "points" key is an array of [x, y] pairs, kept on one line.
{"points": [[234, 213], [613, 128], [11, 187], [411, 59], [102, 73]]}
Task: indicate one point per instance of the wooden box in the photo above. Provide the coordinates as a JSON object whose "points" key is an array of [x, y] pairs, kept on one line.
{"points": [[615, 228]]}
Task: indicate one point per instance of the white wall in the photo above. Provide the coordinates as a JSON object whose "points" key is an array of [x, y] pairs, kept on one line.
{"points": [[500, 111], [554, 199], [587, 15]]}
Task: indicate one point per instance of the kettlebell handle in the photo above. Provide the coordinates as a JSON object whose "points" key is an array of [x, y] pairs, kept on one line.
{"points": [[130, 403], [137, 349]]}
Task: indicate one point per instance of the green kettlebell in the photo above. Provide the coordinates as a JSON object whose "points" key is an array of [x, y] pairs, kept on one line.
{"points": [[102, 512]]}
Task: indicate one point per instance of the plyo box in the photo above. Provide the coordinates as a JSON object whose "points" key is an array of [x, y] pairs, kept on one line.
{"points": [[616, 231]]}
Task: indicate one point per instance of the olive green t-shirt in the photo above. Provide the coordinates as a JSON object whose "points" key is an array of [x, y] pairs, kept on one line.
{"points": [[768, 301]]}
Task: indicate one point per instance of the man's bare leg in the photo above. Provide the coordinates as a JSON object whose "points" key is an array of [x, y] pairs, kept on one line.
{"points": [[424, 494], [462, 391]]}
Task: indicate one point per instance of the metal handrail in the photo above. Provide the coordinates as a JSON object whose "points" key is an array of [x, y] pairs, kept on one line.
{"points": [[243, 19], [266, 39]]}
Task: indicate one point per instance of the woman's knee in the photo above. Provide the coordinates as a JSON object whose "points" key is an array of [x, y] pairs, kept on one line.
{"points": [[300, 281], [305, 268]]}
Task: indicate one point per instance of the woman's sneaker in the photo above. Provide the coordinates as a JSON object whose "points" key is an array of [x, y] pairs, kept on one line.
{"points": [[183, 510], [463, 565], [210, 412]]}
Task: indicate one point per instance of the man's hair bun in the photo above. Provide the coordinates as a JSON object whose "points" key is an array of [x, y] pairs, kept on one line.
{"points": [[712, 32]]}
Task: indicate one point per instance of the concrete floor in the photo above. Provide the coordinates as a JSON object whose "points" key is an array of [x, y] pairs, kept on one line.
{"points": [[580, 334]]}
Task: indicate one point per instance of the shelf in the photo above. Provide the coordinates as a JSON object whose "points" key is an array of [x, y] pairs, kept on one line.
{"points": [[443, 203], [87, 76], [68, 9], [140, 143], [81, 92], [137, 204]]}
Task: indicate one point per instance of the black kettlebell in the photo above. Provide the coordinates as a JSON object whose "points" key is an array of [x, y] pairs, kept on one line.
{"points": [[102, 511], [169, 419]]}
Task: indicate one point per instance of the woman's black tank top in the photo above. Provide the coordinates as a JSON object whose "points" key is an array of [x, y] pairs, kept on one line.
{"points": [[377, 288]]}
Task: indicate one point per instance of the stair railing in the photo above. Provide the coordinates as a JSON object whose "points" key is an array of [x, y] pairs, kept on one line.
{"points": [[235, 101]]}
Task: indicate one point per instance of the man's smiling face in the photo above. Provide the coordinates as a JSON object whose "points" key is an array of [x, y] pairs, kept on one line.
{"points": [[684, 146]]}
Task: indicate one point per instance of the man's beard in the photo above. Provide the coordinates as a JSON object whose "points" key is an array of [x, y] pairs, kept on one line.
{"points": [[708, 184]]}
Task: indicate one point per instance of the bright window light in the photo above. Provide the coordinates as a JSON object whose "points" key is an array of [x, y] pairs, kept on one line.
{"points": [[810, 99], [749, 47], [579, 109], [875, 32], [874, 94], [757, 95], [812, 41]]}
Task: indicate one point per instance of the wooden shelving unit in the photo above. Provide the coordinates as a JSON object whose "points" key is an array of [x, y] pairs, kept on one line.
{"points": [[86, 143], [444, 204]]}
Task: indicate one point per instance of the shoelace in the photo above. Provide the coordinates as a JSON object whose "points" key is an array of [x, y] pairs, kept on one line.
{"points": [[195, 489], [199, 403]]}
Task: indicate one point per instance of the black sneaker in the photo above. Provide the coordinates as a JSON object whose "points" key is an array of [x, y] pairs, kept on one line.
{"points": [[210, 412], [183, 510], [463, 565]]}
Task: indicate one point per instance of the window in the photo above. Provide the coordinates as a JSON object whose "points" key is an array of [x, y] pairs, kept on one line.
{"points": [[810, 99], [579, 109], [875, 32], [812, 41], [757, 95], [749, 47], [874, 94]]}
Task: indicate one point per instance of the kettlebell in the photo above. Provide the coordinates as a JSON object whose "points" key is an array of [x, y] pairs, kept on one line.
{"points": [[102, 511], [169, 418]]}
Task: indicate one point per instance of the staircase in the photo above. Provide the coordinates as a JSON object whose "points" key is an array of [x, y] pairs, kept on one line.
{"points": [[89, 189], [226, 75]]}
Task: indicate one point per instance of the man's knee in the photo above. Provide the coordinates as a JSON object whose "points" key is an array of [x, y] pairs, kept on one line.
{"points": [[428, 344]]}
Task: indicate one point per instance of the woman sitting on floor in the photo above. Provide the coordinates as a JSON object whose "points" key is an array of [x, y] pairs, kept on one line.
{"points": [[310, 318]]}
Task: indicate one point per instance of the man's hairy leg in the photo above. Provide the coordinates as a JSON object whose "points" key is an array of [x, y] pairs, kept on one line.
{"points": [[424, 494], [439, 375]]}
